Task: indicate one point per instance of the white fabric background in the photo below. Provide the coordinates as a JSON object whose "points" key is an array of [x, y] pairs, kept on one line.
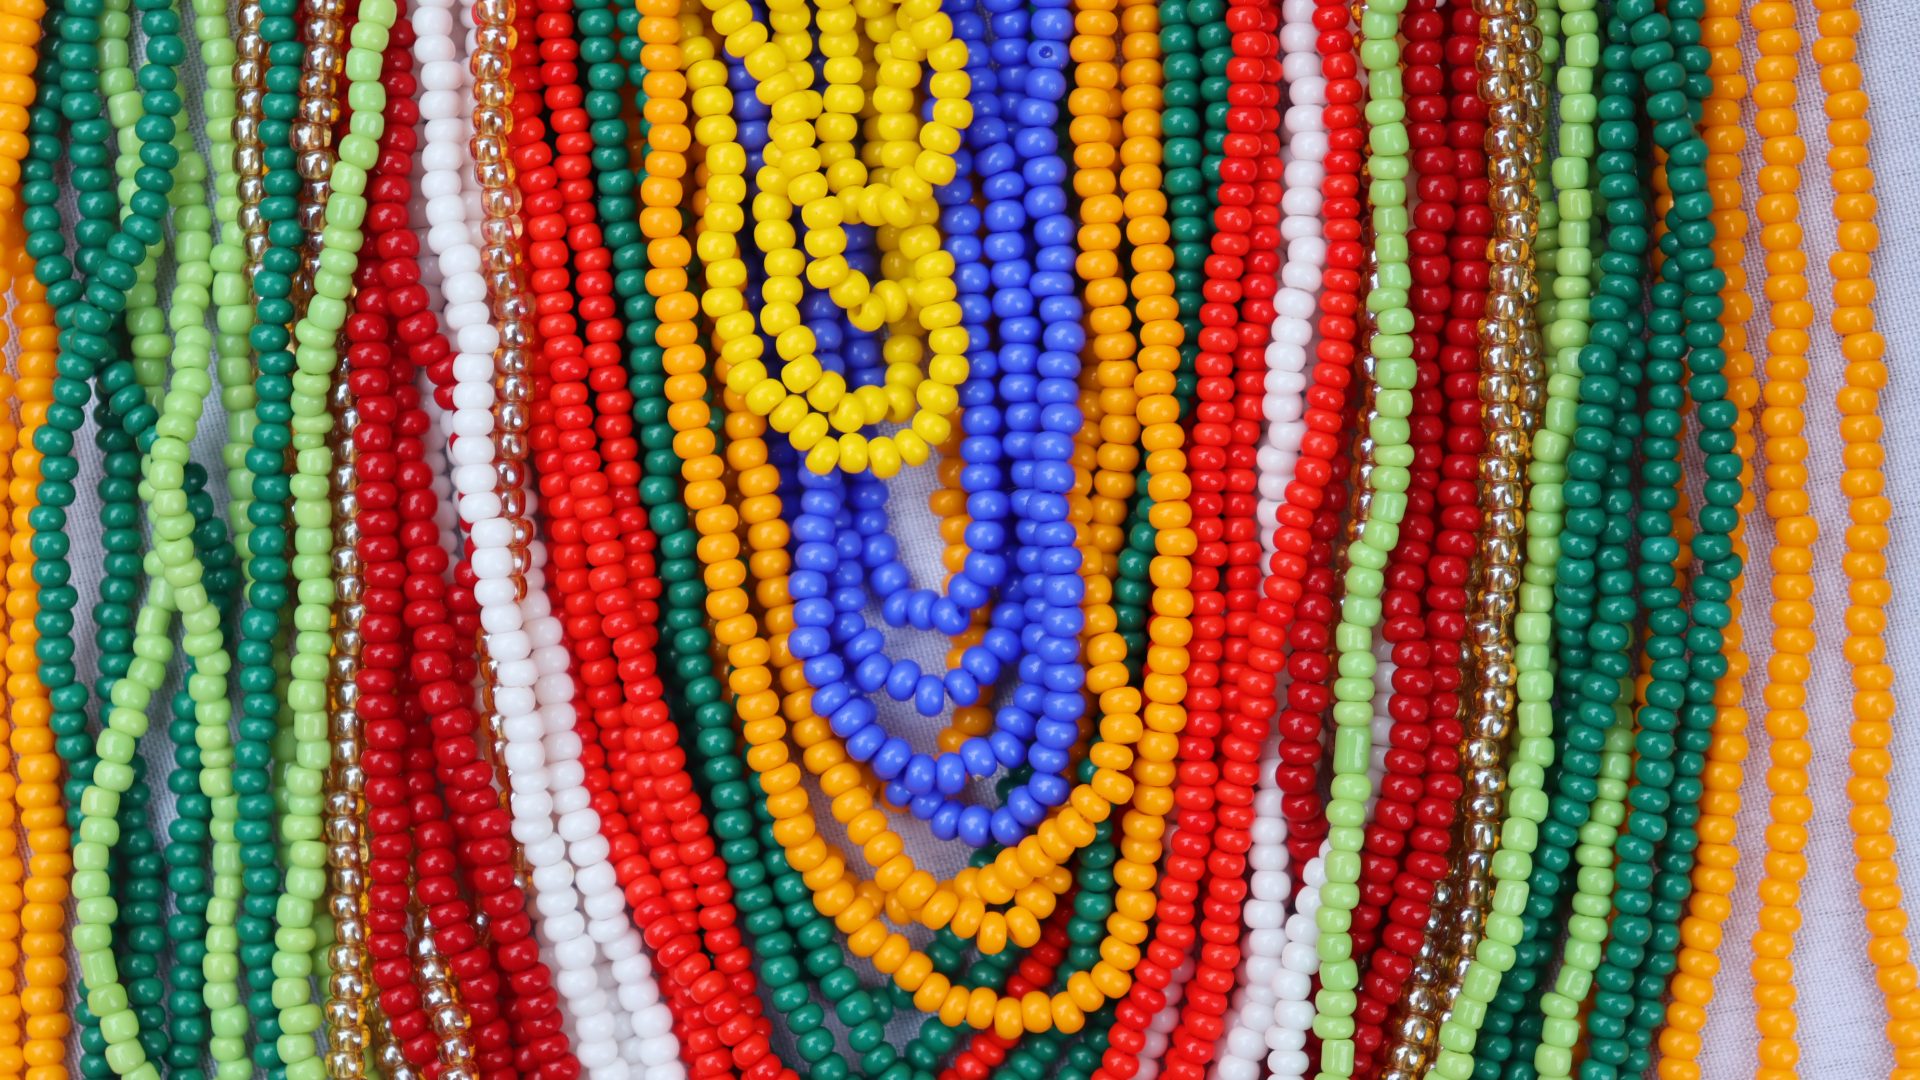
{"points": [[1840, 1012]]}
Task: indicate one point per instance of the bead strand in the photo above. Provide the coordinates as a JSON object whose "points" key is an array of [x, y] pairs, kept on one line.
{"points": [[346, 781], [1701, 932], [1855, 207], [1393, 378]]}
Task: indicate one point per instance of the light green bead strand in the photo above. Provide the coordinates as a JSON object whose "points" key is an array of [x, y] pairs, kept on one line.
{"points": [[1393, 375]]}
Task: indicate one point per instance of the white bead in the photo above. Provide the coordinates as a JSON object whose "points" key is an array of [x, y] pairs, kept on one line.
{"points": [[633, 969], [493, 593], [1299, 956], [592, 849], [570, 800], [546, 851], [605, 905], [476, 334], [1291, 984], [579, 824], [1233, 1067], [555, 877], [651, 1022]]}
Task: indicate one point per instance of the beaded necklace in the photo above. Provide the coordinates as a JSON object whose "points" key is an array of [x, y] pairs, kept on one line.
{"points": [[1682, 688], [932, 990], [408, 602], [1393, 378], [891, 182], [1269, 1016], [1022, 412], [1864, 348], [659, 813], [604, 576]]}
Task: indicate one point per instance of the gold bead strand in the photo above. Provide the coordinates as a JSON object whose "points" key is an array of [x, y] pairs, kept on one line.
{"points": [[346, 781]]}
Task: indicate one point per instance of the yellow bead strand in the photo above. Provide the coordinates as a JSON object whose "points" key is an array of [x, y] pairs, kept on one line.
{"points": [[809, 153]]}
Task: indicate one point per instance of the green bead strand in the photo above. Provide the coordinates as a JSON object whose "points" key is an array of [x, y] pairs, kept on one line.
{"points": [[258, 645], [1688, 660], [1394, 374], [317, 358]]}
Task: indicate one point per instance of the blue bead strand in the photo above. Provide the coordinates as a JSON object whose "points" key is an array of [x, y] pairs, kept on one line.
{"points": [[1008, 230]]}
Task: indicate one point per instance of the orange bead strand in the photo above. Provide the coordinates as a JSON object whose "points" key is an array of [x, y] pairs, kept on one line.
{"points": [[39, 895], [1788, 504], [1868, 510]]}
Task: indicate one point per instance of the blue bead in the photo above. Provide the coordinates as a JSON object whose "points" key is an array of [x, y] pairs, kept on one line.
{"points": [[856, 715], [896, 793], [867, 641], [1004, 644], [806, 584], [974, 825], [981, 664], [872, 673], [1067, 590], [890, 578], [1052, 23], [892, 759], [920, 774], [946, 822], [1007, 749], [930, 696], [902, 680], [1060, 562], [927, 806], [894, 608], [1056, 734], [987, 506], [1047, 760], [1061, 675], [920, 609], [963, 688], [949, 618], [807, 641], [824, 671], [981, 477], [862, 745], [1050, 790], [1025, 809], [950, 773], [1006, 831], [1066, 338], [978, 757], [967, 589], [1066, 706]]}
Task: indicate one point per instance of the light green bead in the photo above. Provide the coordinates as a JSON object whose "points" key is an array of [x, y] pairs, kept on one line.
{"points": [[1348, 805]]}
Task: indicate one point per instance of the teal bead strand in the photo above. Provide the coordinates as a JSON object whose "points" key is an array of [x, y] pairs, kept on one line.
{"points": [[1687, 646]]}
